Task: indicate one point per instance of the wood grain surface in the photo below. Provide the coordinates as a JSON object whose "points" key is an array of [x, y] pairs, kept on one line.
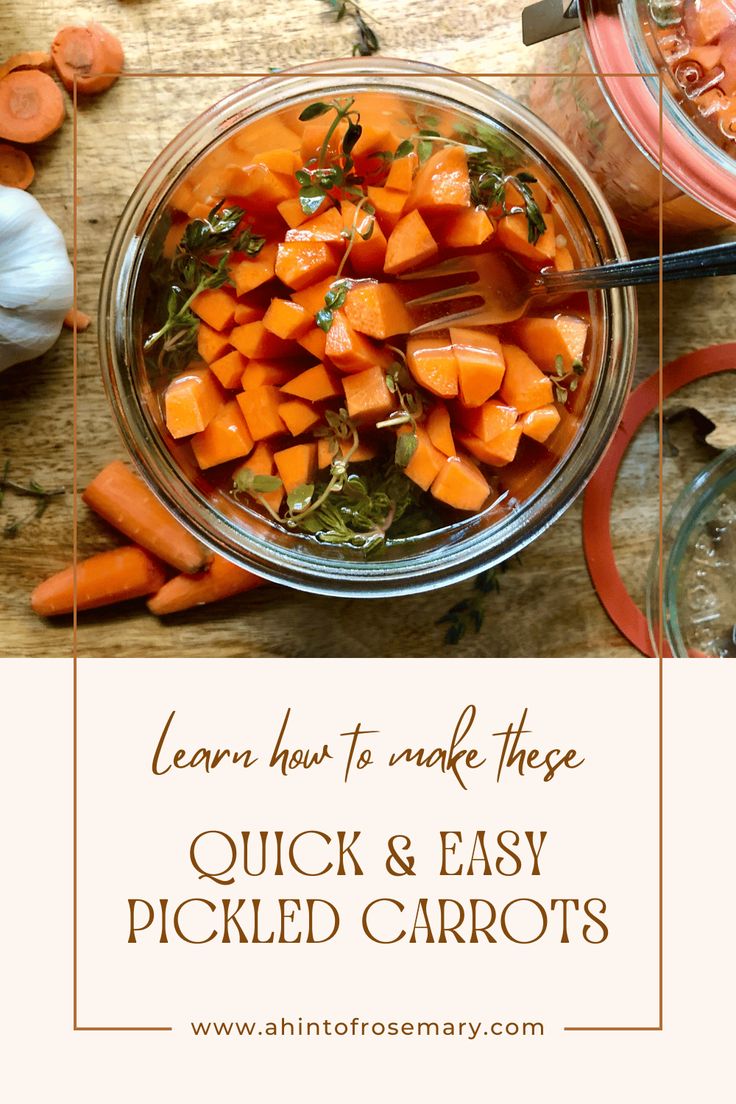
{"points": [[546, 605]]}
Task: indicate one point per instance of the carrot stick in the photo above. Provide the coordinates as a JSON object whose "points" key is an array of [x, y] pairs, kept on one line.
{"points": [[31, 106], [16, 167], [107, 577], [124, 500], [221, 580], [28, 59], [81, 319], [92, 54]]}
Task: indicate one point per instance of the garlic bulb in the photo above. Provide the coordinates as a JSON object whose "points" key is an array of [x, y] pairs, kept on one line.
{"points": [[36, 278]]}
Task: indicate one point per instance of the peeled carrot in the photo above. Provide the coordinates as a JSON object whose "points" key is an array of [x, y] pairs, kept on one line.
{"points": [[222, 579], [103, 579], [76, 318], [27, 59], [31, 106], [124, 500], [91, 54], [16, 167]]}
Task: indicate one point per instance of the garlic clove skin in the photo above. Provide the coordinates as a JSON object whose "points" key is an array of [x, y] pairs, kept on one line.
{"points": [[36, 278]]}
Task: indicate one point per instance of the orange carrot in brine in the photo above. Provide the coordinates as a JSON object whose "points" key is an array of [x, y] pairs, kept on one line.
{"points": [[222, 579], [91, 54], [103, 579], [31, 106], [124, 500], [16, 167]]}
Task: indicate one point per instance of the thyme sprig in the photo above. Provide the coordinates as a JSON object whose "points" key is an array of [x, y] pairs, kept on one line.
{"points": [[32, 489], [564, 383], [469, 613], [366, 42], [399, 381], [488, 185], [321, 179]]}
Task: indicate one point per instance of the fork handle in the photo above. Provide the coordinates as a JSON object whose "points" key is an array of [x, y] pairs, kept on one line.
{"points": [[711, 260]]}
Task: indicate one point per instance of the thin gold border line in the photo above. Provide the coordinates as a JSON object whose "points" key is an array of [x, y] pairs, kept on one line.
{"points": [[287, 75]]}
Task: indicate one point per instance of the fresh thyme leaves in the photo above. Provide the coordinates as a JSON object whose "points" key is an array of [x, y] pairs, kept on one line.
{"points": [[364, 512], [367, 40], [334, 299], [565, 383], [319, 180], [469, 612], [488, 187], [406, 446], [32, 489]]}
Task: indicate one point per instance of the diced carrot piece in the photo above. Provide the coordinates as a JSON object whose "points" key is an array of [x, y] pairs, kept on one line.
{"points": [[254, 340], [374, 135], [260, 462], [465, 229], [216, 307], [272, 373], [300, 263], [563, 259], [367, 396], [427, 460], [287, 319], [315, 385], [191, 401], [268, 132], [225, 438], [513, 234], [460, 484], [480, 364], [326, 454], [229, 369], [200, 209], [524, 385], [711, 18], [388, 204], [409, 245], [544, 339], [326, 227], [283, 161], [314, 133], [367, 254], [401, 173], [211, 344], [315, 342], [261, 188], [260, 407], [296, 465], [541, 423], [433, 365], [514, 198], [245, 312], [489, 420], [313, 298], [443, 182], [292, 213], [251, 272], [440, 429], [174, 235], [349, 350], [498, 452], [377, 310], [298, 416]]}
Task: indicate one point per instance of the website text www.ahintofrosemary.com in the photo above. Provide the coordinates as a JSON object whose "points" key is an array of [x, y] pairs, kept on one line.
{"points": [[283, 1028]]}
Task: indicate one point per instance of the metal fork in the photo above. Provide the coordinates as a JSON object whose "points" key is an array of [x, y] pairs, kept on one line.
{"points": [[506, 289]]}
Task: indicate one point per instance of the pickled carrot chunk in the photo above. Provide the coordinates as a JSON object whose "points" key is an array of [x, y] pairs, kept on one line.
{"points": [[283, 161], [432, 363], [443, 182], [296, 465], [711, 18], [460, 484], [349, 350], [524, 385], [480, 364], [315, 342], [190, 402], [246, 312], [211, 344], [409, 245], [254, 340], [314, 133], [465, 230], [274, 373], [544, 339], [260, 462], [377, 310], [222, 579], [427, 460], [315, 385], [497, 452], [287, 319], [563, 259], [401, 174], [326, 451], [440, 429], [367, 396], [368, 253], [541, 423], [298, 416], [229, 369], [313, 298], [260, 407], [173, 236], [513, 234], [261, 188], [216, 307], [388, 204], [292, 213], [253, 271], [225, 438], [326, 227], [300, 263], [489, 420]]}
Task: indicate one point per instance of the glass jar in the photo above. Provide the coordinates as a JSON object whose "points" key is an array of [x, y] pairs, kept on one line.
{"points": [[610, 116], [417, 563]]}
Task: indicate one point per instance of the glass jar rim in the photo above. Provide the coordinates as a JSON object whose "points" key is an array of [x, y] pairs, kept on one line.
{"points": [[459, 558]]}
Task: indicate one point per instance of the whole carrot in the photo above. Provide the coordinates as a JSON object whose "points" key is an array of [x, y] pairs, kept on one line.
{"points": [[222, 579], [103, 579]]}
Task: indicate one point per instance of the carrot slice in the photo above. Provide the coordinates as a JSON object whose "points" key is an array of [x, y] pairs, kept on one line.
{"points": [[513, 234], [91, 54], [466, 229], [287, 319], [443, 182], [460, 484], [254, 340], [440, 430], [251, 272], [377, 310], [433, 365], [298, 416], [524, 385], [31, 106], [16, 167], [326, 227], [191, 402], [124, 501], [480, 364], [389, 204], [216, 307], [260, 462], [222, 579], [410, 244], [401, 173], [544, 339], [260, 408], [427, 460], [315, 342], [225, 438], [497, 452], [296, 465], [229, 369], [349, 350], [314, 385], [326, 451], [211, 344], [77, 318], [300, 263], [367, 396], [541, 423], [272, 373], [489, 420], [27, 59], [103, 579]]}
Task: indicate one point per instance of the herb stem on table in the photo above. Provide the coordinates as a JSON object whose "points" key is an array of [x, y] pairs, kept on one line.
{"points": [[32, 489]]}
